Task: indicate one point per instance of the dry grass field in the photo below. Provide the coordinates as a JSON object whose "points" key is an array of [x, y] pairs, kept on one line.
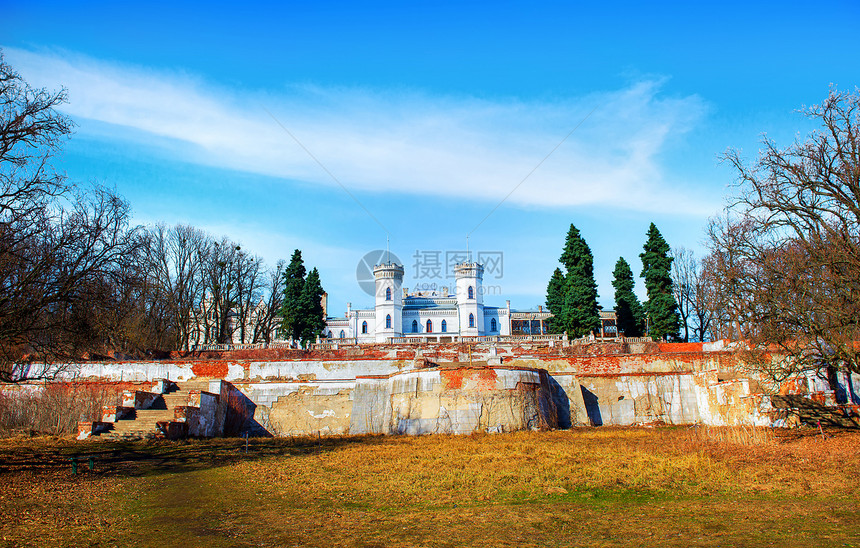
{"points": [[668, 486]]}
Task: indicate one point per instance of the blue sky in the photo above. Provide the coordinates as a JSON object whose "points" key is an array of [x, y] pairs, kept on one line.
{"points": [[430, 114]]}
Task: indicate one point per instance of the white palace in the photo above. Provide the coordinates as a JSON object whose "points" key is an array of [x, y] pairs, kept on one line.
{"points": [[432, 316]]}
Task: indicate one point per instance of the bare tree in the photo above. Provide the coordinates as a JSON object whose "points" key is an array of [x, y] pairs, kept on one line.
{"points": [[787, 256], [213, 292], [702, 305], [266, 318], [176, 258], [693, 288], [232, 283], [218, 300], [684, 272], [126, 310], [31, 132], [247, 273], [75, 277], [72, 279], [51, 279]]}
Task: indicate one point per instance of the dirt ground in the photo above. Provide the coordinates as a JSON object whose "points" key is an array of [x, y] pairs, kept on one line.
{"points": [[669, 486]]}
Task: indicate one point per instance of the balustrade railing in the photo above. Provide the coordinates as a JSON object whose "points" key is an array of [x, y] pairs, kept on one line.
{"points": [[216, 347], [328, 344]]}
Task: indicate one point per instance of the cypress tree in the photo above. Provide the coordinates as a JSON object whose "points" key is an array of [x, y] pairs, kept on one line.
{"points": [[555, 293], [630, 317], [312, 319], [580, 314], [292, 284], [661, 308]]}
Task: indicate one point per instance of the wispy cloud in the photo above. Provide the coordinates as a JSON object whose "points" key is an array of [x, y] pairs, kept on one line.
{"points": [[271, 244], [403, 141]]}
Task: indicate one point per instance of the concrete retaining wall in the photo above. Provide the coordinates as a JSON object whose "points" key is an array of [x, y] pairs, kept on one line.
{"points": [[234, 411], [453, 400], [390, 388], [202, 422]]}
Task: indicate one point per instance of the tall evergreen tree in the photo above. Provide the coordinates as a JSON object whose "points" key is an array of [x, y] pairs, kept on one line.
{"points": [[312, 315], [292, 285], [580, 313], [661, 307], [555, 293], [630, 316]]}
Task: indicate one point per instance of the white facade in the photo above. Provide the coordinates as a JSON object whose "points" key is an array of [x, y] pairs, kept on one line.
{"points": [[205, 328], [436, 315]]}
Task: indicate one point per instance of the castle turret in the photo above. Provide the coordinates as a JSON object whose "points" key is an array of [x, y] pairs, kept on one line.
{"points": [[389, 301], [470, 298]]}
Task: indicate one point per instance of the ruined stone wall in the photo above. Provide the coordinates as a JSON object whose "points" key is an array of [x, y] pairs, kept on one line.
{"points": [[453, 400], [234, 370], [697, 397], [456, 400], [640, 398], [411, 389], [203, 422], [233, 409], [296, 408]]}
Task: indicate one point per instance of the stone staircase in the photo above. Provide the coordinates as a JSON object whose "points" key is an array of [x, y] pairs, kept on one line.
{"points": [[143, 422]]}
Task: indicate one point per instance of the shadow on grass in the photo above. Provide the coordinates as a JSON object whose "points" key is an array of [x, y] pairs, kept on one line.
{"points": [[147, 457]]}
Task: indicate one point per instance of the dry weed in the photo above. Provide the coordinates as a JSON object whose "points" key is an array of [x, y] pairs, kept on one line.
{"points": [[443, 470], [585, 487], [54, 408]]}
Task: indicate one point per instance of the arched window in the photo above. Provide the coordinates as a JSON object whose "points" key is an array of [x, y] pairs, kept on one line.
{"points": [[471, 320], [415, 326], [342, 334], [429, 326], [493, 325], [364, 327], [388, 321], [444, 326], [471, 292], [387, 293]]}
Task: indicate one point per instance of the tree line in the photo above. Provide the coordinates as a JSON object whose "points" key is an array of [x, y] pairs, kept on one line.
{"points": [[785, 257], [782, 268], [76, 276], [572, 293]]}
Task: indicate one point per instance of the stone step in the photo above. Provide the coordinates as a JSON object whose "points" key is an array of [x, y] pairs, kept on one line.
{"points": [[153, 415], [184, 390], [143, 424], [172, 400], [136, 432], [192, 385], [130, 435], [120, 427]]}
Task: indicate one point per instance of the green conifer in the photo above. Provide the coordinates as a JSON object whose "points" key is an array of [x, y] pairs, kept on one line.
{"points": [[312, 315], [661, 308], [579, 312], [630, 316], [555, 293], [292, 284]]}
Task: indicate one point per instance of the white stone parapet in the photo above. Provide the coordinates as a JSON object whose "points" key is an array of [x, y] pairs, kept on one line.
{"points": [[469, 270], [388, 270]]}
